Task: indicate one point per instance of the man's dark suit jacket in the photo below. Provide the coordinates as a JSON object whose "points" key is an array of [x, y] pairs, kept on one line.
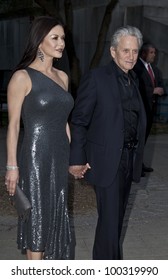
{"points": [[145, 84], [97, 127]]}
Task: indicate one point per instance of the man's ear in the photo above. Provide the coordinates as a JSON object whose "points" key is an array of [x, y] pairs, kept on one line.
{"points": [[112, 52]]}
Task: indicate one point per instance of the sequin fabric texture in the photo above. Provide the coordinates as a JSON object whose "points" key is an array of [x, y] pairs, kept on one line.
{"points": [[43, 165]]}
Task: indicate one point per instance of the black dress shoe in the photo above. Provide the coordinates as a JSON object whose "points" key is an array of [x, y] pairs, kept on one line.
{"points": [[147, 169]]}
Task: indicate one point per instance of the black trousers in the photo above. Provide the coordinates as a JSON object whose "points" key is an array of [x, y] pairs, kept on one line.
{"points": [[111, 205]]}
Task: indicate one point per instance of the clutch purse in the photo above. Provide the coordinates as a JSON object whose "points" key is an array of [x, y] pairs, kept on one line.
{"points": [[21, 203]]}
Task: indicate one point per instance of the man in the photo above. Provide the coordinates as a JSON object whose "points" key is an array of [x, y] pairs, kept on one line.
{"points": [[150, 86], [108, 127]]}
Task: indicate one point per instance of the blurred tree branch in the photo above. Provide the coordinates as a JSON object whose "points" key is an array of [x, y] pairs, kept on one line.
{"points": [[102, 33]]}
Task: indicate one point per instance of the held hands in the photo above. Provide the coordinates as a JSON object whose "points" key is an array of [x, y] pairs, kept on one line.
{"points": [[78, 171]]}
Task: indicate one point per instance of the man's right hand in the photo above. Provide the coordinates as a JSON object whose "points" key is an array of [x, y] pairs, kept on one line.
{"points": [[78, 171], [158, 91]]}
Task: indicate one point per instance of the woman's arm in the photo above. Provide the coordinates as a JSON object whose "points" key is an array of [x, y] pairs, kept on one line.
{"points": [[68, 132], [18, 87]]}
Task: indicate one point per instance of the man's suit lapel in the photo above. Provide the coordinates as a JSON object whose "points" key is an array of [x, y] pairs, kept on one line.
{"points": [[145, 73], [113, 83]]}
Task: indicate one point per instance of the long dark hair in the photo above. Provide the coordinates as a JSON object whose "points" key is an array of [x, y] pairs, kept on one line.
{"points": [[40, 27]]}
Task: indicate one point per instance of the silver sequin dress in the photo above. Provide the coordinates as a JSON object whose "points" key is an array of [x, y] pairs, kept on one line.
{"points": [[43, 165]]}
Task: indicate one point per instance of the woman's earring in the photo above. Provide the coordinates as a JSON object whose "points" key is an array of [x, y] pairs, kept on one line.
{"points": [[40, 55]]}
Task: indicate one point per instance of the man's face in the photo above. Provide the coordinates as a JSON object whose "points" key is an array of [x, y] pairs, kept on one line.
{"points": [[126, 53], [150, 55]]}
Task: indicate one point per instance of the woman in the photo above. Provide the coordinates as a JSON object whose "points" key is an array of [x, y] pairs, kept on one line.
{"points": [[37, 92]]}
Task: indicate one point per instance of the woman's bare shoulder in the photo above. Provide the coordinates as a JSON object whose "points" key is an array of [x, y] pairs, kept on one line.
{"points": [[19, 76], [20, 80]]}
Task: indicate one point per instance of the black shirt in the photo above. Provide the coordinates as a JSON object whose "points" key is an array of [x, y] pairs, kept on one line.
{"points": [[130, 104]]}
